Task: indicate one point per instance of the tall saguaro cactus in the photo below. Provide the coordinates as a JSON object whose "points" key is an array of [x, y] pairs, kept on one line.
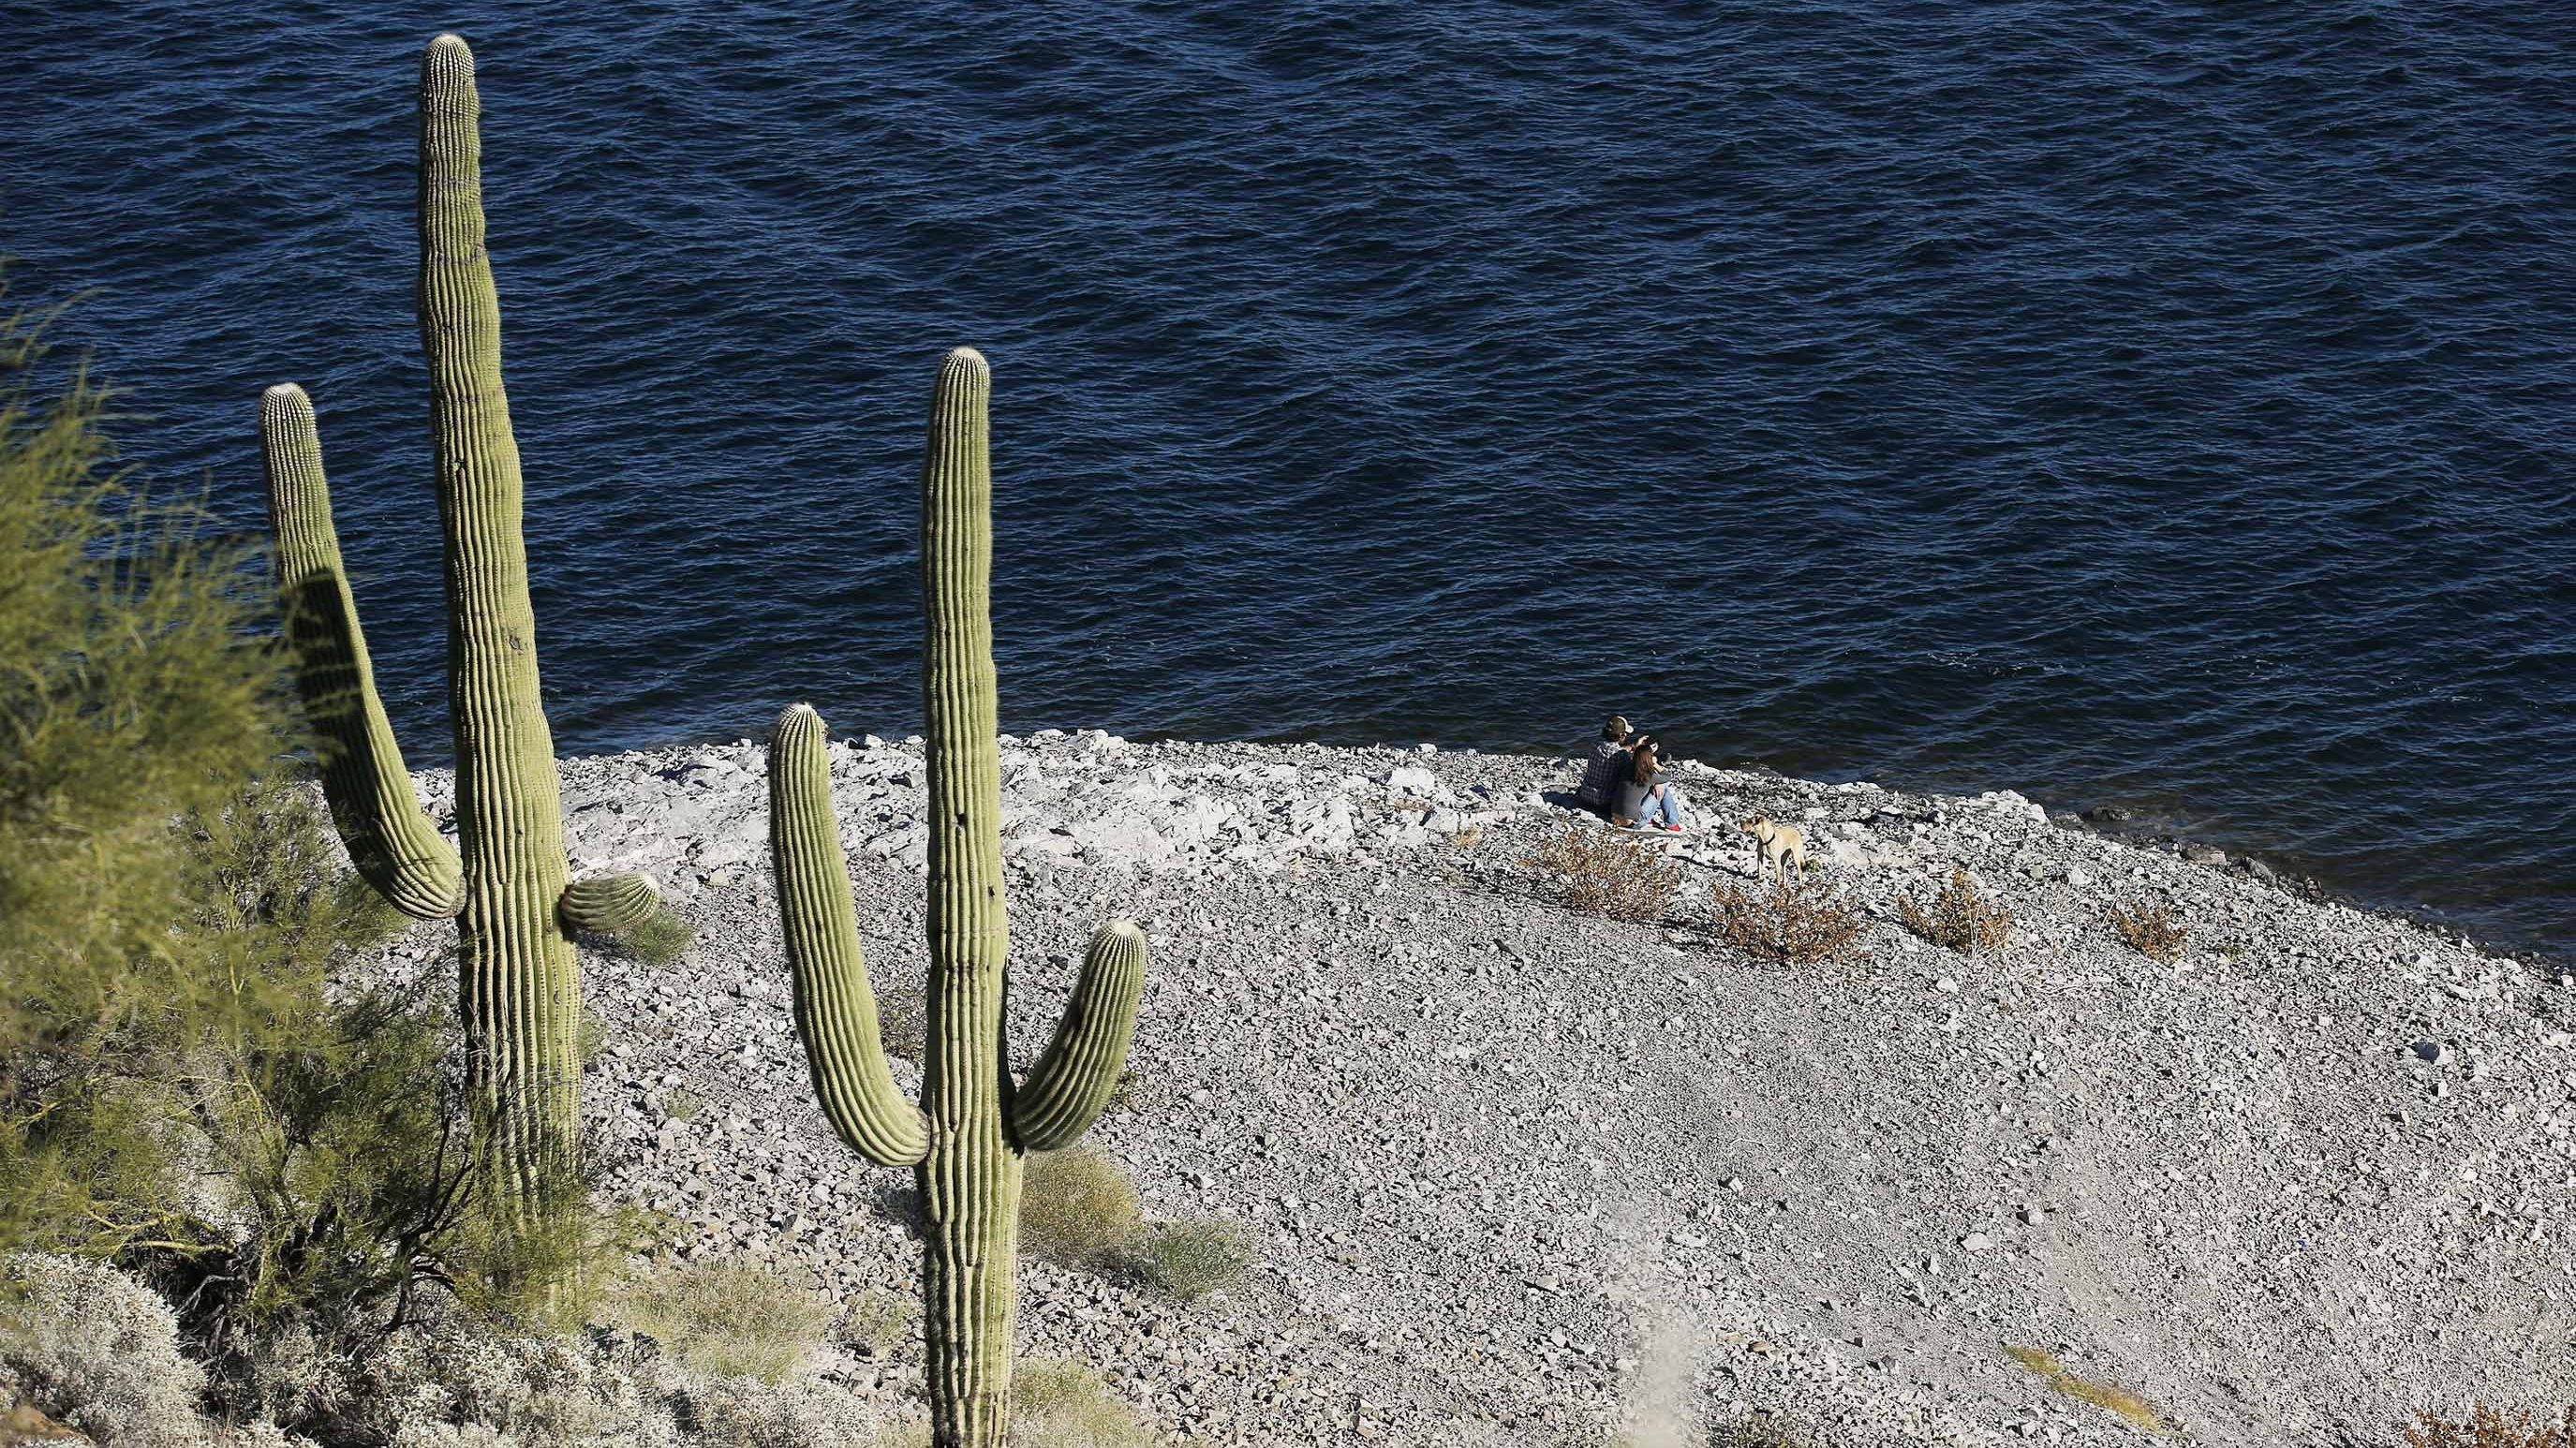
{"points": [[520, 983], [966, 1140]]}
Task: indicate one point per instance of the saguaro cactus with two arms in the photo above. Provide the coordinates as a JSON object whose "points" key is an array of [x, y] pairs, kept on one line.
{"points": [[520, 983], [966, 1140]]}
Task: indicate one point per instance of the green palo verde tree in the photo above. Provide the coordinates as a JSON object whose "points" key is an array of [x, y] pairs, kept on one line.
{"points": [[517, 915], [128, 701], [966, 1140]]}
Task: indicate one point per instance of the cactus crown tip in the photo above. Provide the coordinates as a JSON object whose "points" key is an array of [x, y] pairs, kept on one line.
{"points": [[965, 357], [284, 392], [448, 60], [1122, 926]]}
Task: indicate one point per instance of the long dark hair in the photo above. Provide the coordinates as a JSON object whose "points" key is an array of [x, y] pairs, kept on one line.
{"points": [[1650, 759]]}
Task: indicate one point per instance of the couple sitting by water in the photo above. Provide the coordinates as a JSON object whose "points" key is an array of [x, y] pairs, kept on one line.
{"points": [[1625, 781]]}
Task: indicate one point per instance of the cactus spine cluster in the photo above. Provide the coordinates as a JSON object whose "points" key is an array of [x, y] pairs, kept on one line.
{"points": [[966, 1140], [520, 981]]}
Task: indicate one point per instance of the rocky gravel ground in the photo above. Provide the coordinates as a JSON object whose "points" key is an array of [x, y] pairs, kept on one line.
{"points": [[1523, 1176]]}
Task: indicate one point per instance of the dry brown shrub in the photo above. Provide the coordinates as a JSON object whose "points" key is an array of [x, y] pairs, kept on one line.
{"points": [[1595, 870], [2151, 930], [2487, 1427], [1959, 917], [1790, 924]]}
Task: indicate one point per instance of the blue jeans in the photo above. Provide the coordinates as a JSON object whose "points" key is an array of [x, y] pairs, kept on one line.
{"points": [[1662, 802]]}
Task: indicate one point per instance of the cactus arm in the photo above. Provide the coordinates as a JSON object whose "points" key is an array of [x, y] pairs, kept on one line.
{"points": [[1072, 1081], [970, 1182], [610, 904], [391, 842], [836, 1012], [519, 972]]}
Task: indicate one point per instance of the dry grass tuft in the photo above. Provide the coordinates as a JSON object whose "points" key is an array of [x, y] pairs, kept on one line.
{"points": [[1067, 1405], [2487, 1427], [728, 1319], [1594, 870], [1959, 917], [1789, 924], [876, 1321], [1191, 1259], [2151, 930], [2138, 1411], [1077, 1209], [663, 939]]}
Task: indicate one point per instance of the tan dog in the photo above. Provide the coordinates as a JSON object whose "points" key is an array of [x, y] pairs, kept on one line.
{"points": [[1782, 846]]}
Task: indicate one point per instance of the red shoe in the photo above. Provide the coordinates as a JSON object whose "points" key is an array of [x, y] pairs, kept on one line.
{"points": [[1675, 829]]}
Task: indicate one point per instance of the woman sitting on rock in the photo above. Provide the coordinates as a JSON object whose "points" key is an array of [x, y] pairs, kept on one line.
{"points": [[1648, 800]]}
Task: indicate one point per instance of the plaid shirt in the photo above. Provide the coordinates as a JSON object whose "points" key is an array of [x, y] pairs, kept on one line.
{"points": [[1602, 777]]}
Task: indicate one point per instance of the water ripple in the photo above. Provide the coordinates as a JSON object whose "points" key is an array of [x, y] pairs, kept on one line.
{"points": [[2143, 403]]}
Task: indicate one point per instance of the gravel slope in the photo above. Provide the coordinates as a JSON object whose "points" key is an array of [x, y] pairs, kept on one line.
{"points": [[1520, 1175]]}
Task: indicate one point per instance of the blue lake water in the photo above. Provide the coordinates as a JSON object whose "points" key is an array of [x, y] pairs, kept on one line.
{"points": [[2153, 404]]}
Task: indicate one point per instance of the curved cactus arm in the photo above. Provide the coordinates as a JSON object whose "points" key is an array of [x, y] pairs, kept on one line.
{"points": [[394, 846], [1072, 1081], [610, 904], [836, 1012]]}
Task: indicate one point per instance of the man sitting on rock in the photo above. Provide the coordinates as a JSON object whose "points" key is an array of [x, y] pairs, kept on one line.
{"points": [[1603, 777]]}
